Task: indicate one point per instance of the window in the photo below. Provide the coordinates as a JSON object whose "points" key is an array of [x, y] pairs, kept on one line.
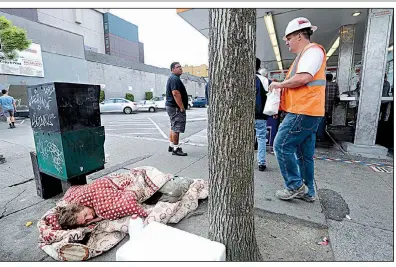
{"points": [[119, 101]]}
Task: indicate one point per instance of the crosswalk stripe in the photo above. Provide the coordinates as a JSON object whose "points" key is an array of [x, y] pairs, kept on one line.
{"points": [[117, 129], [159, 129]]}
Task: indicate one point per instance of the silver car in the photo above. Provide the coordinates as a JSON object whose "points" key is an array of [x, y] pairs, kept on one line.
{"points": [[147, 105], [160, 102], [118, 105]]}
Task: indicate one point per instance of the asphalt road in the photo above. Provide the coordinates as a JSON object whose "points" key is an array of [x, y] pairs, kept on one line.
{"points": [[126, 135]]}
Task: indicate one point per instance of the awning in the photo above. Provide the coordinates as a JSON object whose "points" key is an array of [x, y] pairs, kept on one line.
{"points": [[328, 21]]}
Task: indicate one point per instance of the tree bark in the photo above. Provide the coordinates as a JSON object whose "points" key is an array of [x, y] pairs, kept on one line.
{"points": [[232, 52]]}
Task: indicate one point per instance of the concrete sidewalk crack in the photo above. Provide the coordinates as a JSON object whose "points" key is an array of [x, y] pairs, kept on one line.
{"points": [[23, 182], [22, 209], [191, 164], [8, 202]]}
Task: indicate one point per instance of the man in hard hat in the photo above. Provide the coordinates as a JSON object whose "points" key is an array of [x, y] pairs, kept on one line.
{"points": [[303, 99]]}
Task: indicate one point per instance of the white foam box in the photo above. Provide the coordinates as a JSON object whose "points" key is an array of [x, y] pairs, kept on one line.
{"points": [[159, 242]]}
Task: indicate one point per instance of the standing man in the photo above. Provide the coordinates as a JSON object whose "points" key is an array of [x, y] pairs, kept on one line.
{"points": [[8, 107], [303, 98], [332, 93], [260, 118], [176, 103], [386, 87]]}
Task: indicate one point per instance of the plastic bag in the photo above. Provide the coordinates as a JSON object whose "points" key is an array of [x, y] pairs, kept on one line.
{"points": [[272, 104], [175, 189]]}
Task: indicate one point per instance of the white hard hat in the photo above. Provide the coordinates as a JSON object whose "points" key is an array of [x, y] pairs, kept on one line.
{"points": [[263, 72], [298, 24]]}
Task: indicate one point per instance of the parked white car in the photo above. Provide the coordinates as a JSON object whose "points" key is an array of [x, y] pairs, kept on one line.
{"points": [[160, 102], [147, 105], [118, 105], [190, 102]]}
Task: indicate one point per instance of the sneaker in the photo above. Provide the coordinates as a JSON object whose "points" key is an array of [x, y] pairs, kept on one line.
{"points": [[306, 197], [170, 149], [262, 168], [179, 152], [286, 194]]}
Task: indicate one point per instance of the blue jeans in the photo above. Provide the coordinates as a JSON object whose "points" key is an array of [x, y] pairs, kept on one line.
{"points": [[322, 129], [261, 134], [294, 147]]}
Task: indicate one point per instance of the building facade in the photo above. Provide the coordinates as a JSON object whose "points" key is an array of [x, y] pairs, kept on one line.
{"points": [[122, 38], [65, 58], [201, 71], [102, 31]]}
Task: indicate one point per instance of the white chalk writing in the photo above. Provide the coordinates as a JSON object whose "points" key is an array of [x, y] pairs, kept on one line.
{"points": [[46, 148], [40, 101], [42, 120], [48, 89]]}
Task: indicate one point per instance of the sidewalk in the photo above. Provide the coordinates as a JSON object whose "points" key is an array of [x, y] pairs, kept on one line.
{"points": [[295, 226]]}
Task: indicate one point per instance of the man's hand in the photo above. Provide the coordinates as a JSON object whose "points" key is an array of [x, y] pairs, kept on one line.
{"points": [[182, 110], [274, 85], [275, 116]]}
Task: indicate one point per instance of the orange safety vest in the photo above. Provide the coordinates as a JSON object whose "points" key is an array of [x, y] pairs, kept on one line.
{"points": [[308, 99]]}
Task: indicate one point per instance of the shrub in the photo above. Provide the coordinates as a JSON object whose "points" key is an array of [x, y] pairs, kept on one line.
{"points": [[130, 97], [149, 95], [102, 96]]}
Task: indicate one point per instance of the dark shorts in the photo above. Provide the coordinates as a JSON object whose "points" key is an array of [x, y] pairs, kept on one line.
{"points": [[9, 113], [177, 119]]}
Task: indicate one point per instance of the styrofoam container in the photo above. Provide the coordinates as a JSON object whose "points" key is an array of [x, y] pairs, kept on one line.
{"points": [[159, 242]]}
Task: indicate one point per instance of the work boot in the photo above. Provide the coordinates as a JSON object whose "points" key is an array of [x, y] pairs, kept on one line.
{"points": [[13, 124], [262, 168], [286, 194], [170, 149], [179, 152]]}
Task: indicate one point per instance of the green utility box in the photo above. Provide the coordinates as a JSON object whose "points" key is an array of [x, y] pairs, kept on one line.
{"points": [[69, 154]]}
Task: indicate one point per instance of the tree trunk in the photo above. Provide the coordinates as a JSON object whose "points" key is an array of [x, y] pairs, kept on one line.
{"points": [[232, 52]]}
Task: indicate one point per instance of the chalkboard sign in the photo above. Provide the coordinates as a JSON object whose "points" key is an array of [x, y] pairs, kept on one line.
{"points": [[63, 107]]}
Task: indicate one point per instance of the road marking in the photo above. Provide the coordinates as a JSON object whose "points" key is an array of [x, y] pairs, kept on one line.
{"points": [[140, 133], [116, 122], [159, 129], [187, 143], [197, 119], [136, 137], [128, 128], [129, 124], [198, 135], [22, 122]]}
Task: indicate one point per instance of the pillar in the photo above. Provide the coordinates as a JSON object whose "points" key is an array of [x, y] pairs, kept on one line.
{"points": [[345, 65], [376, 42]]}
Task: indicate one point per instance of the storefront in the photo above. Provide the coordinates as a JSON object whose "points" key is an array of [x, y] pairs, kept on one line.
{"points": [[354, 57]]}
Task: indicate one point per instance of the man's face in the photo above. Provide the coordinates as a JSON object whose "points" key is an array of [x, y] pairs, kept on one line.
{"points": [[292, 41], [177, 69], [86, 215]]}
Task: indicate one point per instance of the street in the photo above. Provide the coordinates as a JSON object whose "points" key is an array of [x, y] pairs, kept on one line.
{"points": [[124, 133], [358, 223]]}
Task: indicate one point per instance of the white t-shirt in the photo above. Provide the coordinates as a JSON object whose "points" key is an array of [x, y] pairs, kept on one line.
{"points": [[311, 61]]}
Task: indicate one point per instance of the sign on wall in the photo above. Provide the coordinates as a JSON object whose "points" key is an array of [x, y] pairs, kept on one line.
{"points": [[28, 63]]}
